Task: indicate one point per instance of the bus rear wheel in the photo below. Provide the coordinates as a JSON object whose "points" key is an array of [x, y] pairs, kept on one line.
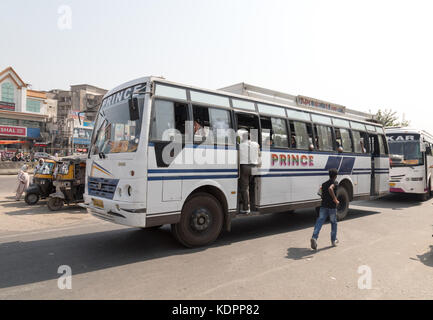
{"points": [[343, 207], [201, 221]]}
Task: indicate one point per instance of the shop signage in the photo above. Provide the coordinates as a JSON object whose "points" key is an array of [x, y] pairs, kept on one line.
{"points": [[13, 131]]}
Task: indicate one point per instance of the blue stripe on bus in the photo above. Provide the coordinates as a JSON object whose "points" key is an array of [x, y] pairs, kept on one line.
{"points": [[346, 166], [333, 162]]}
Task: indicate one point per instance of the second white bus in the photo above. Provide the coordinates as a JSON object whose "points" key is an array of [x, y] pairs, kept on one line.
{"points": [[411, 161]]}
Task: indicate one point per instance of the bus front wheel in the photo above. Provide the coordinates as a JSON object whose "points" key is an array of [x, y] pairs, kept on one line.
{"points": [[343, 207], [201, 221]]}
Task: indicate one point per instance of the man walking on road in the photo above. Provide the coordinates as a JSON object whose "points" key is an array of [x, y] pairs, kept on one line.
{"points": [[328, 208]]}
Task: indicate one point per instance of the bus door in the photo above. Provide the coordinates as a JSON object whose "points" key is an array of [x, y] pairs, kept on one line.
{"points": [[379, 165], [249, 122]]}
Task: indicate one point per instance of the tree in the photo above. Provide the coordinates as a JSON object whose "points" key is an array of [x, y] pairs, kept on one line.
{"points": [[389, 118]]}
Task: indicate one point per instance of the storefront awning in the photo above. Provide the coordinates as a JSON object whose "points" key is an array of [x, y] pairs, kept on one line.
{"points": [[12, 142]]}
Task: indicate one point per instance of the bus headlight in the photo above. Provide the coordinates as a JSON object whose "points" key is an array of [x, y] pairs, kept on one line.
{"points": [[417, 179]]}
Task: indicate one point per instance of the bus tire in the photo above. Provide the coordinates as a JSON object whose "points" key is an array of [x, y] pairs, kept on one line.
{"points": [[343, 207], [31, 198], [201, 221], [55, 204]]}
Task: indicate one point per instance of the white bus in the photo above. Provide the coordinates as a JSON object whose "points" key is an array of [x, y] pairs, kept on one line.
{"points": [[145, 170], [411, 161]]}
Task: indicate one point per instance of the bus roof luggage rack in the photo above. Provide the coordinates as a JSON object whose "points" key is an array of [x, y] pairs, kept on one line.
{"points": [[308, 103]]}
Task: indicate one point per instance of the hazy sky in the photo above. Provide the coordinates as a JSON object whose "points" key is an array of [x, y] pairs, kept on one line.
{"points": [[362, 54]]}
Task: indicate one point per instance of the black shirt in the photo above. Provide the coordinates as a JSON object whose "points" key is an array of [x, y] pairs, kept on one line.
{"points": [[327, 201]]}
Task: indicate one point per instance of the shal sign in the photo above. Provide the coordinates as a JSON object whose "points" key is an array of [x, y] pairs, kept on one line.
{"points": [[13, 131]]}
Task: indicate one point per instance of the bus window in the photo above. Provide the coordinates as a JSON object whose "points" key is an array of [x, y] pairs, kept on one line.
{"points": [[301, 135], [168, 116], [358, 142], [342, 136], [324, 138], [220, 124], [279, 137], [382, 145], [274, 132], [365, 145], [212, 125]]}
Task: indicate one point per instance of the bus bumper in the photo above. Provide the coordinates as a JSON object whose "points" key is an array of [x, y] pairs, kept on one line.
{"points": [[124, 213]]}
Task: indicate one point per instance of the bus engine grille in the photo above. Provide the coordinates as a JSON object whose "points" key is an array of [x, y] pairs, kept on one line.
{"points": [[100, 187]]}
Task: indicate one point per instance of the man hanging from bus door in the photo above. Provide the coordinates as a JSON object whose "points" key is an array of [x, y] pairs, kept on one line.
{"points": [[249, 158]]}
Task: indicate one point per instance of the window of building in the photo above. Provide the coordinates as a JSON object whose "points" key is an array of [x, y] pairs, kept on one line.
{"points": [[30, 124], [8, 122], [342, 136], [301, 135], [324, 138], [8, 94], [33, 105], [168, 120]]}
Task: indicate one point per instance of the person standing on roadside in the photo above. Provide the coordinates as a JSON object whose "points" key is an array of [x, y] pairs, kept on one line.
{"points": [[328, 208], [23, 181]]}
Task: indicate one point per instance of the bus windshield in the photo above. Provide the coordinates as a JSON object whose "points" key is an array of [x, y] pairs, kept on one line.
{"points": [[114, 131], [405, 153]]}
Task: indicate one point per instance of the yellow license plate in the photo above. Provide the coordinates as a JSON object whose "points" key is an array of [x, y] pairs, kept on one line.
{"points": [[392, 184], [98, 203]]}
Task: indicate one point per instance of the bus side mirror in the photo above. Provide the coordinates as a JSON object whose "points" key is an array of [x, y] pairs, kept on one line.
{"points": [[134, 114]]}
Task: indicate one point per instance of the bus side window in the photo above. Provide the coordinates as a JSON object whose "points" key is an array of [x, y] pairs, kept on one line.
{"points": [[359, 139], [323, 137], [266, 126], [342, 137], [364, 142], [301, 135], [168, 118], [279, 133], [212, 125], [382, 145]]}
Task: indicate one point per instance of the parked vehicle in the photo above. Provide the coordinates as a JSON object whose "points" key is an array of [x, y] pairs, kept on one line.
{"points": [[69, 182], [43, 155], [42, 185]]}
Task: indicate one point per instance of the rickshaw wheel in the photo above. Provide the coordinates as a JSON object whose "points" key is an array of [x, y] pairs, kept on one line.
{"points": [[55, 204], [31, 198]]}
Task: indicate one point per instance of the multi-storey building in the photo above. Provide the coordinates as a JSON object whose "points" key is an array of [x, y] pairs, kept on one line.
{"points": [[24, 114]]}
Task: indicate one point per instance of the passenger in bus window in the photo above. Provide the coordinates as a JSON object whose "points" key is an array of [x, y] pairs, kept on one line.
{"points": [[249, 154], [293, 141]]}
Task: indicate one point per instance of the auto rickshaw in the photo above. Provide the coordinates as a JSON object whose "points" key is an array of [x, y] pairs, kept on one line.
{"points": [[42, 185], [69, 181]]}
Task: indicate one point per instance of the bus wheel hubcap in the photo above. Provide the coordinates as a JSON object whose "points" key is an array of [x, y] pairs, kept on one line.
{"points": [[200, 219]]}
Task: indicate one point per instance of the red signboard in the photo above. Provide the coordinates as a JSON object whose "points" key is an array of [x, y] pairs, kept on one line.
{"points": [[7, 106], [13, 131]]}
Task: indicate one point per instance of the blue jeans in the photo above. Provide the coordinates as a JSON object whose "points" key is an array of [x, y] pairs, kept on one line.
{"points": [[324, 213]]}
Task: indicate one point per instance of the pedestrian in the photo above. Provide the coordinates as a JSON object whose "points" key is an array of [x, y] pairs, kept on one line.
{"points": [[39, 165], [328, 208], [23, 181], [249, 155]]}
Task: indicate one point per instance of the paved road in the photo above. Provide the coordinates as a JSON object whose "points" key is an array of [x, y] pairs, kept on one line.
{"points": [[265, 257]]}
